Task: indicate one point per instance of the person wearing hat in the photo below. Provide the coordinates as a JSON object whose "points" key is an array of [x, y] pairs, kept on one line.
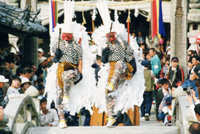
{"points": [[147, 96], [176, 75], [40, 53], [25, 85], [69, 70], [2, 81]]}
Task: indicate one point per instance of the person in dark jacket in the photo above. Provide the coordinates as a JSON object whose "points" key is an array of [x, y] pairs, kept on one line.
{"points": [[176, 75]]}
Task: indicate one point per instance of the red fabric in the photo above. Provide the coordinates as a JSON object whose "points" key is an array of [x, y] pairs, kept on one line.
{"points": [[154, 19], [128, 28], [54, 11], [169, 118], [67, 36], [182, 74]]}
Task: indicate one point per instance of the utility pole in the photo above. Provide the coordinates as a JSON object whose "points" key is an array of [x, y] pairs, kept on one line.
{"points": [[179, 24], [30, 43]]}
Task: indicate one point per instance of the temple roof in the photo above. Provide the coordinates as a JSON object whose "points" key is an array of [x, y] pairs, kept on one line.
{"points": [[18, 20]]}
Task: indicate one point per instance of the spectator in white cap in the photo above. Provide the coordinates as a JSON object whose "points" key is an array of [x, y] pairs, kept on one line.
{"points": [[25, 85], [43, 63], [2, 81], [40, 52], [28, 89]]}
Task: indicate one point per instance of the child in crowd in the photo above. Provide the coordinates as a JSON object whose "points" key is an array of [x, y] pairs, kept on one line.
{"points": [[162, 94], [15, 83], [176, 75]]}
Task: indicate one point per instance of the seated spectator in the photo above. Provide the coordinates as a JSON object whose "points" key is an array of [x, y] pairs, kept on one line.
{"points": [[176, 75], [3, 117], [2, 81], [197, 111], [27, 73], [194, 128], [41, 91], [13, 89], [48, 117], [194, 104], [167, 110], [25, 85]]}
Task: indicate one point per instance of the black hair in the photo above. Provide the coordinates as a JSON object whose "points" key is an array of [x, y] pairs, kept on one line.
{"points": [[194, 128], [39, 80], [19, 71], [27, 70], [153, 49], [14, 77], [39, 72], [10, 59], [196, 57], [98, 57], [43, 100], [40, 87], [7, 74], [197, 109], [164, 81]]}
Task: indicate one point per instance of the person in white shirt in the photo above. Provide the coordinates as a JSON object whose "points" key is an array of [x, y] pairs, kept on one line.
{"points": [[48, 117]]}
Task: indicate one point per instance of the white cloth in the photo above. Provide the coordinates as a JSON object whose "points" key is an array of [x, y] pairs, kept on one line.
{"points": [[11, 92], [50, 118]]}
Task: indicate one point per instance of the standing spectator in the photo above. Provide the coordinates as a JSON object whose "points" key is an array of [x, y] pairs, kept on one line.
{"points": [[165, 69], [147, 102], [2, 81], [140, 38], [176, 75], [49, 117], [155, 62]]}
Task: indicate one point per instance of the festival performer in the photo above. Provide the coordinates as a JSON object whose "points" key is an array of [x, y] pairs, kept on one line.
{"points": [[65, 84], [119, 66]]}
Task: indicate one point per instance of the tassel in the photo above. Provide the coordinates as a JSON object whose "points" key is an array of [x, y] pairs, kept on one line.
{"points": [[84, 21], [128, 24]]}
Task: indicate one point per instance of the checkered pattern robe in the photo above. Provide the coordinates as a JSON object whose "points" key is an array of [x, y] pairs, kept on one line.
{"points": [[120, 51], [72, 52]]}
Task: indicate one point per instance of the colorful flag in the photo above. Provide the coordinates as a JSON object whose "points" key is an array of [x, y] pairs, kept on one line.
{"points": [[157, 19], [53, 15]]}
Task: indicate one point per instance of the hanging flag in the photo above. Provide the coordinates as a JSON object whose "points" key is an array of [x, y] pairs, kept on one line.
{"points": [[157, 19], [53, 15]]}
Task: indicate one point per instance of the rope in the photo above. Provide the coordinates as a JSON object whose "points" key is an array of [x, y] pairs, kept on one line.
{"points": [[112, 4]]}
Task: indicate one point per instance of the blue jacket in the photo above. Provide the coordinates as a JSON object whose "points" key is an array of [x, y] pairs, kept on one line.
{"points": [[155, 64]]}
